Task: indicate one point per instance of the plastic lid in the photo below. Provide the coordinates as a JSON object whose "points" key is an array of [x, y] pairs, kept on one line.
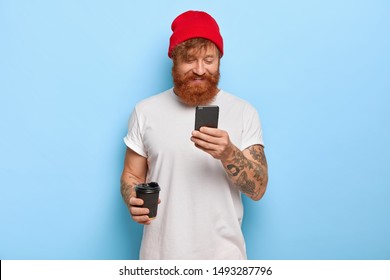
{"points": [[151, 187]]}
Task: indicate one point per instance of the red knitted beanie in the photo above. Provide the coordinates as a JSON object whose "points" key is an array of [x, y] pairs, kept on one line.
{"points": [[195, 24]]}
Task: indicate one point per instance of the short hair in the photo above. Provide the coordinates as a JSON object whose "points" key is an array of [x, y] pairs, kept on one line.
{"points": [[182, 50]]}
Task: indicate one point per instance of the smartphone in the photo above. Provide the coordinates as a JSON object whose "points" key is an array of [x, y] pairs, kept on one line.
{"points": [[206, 116]]}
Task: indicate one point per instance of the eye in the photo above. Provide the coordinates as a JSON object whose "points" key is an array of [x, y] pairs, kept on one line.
{"points": [[209, 60], [189, 60]]}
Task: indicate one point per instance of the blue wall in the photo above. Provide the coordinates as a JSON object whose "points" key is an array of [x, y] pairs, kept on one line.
{"points": [[317, 71]]}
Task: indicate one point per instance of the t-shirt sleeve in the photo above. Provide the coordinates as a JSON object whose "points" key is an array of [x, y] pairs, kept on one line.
{"points": [[252, 130], [133, 139]]}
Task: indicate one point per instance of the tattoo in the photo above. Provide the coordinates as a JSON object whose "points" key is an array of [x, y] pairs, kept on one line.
{"points": [[126, 192], [127, 189], [233, 169], [246, 185], [248, 174], [257, 152], [240, 161]]}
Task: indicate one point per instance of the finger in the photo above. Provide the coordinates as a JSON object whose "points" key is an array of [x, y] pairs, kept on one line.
{"points": [[201, 135], [213, 153], [142, 219], [204, 138], [216, 132], [204, 145], [136, 201], [138, 211], [196, 134], [218, 138]]}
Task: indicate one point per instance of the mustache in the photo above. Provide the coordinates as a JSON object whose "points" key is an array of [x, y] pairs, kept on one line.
{"points": [[193, 76]]}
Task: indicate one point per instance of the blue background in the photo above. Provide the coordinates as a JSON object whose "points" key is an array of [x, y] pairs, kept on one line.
{"points": [[317, 71]]}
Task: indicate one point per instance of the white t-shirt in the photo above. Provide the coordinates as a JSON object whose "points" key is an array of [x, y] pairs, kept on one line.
{"points": [[200, 213]]}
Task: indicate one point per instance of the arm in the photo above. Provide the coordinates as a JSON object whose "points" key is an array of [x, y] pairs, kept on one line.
{"points": [[246, 169], [134, 173]]}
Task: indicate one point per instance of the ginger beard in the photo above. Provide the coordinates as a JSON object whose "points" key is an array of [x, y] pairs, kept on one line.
{"points": [[194, 94]]}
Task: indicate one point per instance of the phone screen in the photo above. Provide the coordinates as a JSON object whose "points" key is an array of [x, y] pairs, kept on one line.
{"points": [[206, 116]]}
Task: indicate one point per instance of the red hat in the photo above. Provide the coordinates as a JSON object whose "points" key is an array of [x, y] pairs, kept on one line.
{"points": [[195, 24]]}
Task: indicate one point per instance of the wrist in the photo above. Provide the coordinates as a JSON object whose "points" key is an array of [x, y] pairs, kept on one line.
{"points": [[229, 153]]}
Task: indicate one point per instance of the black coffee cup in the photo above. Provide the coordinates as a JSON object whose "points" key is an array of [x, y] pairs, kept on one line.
{"points": [[149, 193]]}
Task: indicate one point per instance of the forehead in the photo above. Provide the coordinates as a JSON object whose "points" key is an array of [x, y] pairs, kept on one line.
{"points": [[208, 50]]}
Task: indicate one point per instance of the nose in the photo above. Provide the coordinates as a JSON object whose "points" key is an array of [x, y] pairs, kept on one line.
{"points": [[199, 68]]}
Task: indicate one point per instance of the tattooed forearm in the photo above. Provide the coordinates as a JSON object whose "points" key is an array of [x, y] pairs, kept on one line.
{"points": [[247, 186], [126, 190], [257, 153], [127, 187], [248, 171]]}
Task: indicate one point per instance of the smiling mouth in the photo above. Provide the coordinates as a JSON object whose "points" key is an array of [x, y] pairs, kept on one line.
{"points": [[198, 80]]}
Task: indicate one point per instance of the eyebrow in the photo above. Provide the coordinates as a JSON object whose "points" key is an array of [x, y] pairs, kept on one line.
{"points": [[212, 56]]}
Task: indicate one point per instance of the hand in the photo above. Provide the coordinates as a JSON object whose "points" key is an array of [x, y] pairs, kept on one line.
{"points": [[138, 213], [213, 141]]}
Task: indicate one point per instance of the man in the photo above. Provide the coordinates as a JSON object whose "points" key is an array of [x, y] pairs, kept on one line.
{"points": [[201, 173]]}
